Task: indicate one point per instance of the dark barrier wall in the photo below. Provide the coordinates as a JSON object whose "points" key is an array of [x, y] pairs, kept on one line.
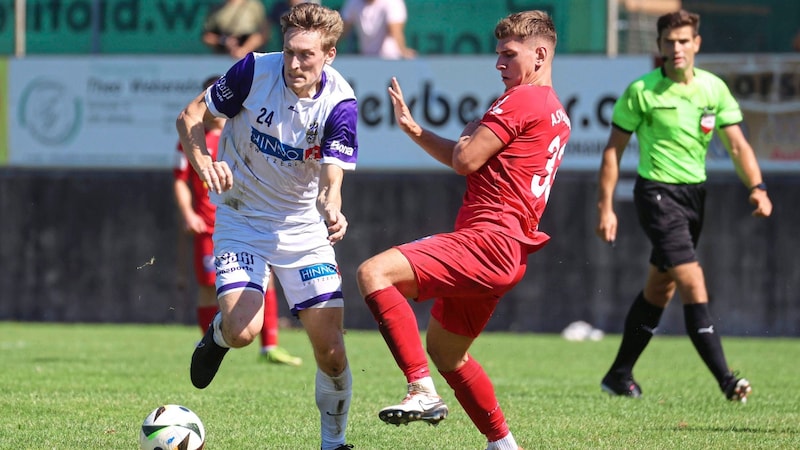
{"points": [[92, 246]]}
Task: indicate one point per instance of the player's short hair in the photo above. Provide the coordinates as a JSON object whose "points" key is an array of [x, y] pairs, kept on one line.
{"points": [[678, 19], [527, 24], [314, 17]]}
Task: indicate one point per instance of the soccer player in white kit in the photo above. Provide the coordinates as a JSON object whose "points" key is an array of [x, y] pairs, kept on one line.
{"points": [[290, 135]]}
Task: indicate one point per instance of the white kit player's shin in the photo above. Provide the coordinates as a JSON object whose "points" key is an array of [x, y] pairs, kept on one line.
{"points": [[333, 396]]}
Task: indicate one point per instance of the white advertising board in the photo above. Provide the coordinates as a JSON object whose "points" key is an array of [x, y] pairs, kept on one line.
{"points": [[119, 112], [768, 90], [100, 111]]}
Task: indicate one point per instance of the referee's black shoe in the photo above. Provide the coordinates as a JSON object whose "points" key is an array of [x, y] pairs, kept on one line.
{"points": [[736, 389], [206, 359], [621, 386]]}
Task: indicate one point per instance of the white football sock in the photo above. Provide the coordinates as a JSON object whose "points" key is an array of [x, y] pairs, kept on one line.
{"points": [[507, 443], [333, 400], [424, 385], [217, 324]]}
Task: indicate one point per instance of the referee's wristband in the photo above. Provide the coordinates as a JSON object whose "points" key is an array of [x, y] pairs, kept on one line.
{"points": [[762, 186]]}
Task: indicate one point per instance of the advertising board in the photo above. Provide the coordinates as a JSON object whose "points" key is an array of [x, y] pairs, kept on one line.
{"points": [[119, 112]]}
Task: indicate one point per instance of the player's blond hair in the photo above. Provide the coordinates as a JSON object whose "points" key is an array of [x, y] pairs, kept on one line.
{"points": [[527, 24], [314, 17]]}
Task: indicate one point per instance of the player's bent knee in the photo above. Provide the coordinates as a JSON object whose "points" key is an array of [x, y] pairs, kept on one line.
{"points": [[364, 274], [371, 277], [444, 360], [240, 339]]}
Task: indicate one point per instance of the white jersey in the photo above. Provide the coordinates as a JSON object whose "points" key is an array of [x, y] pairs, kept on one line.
{"points": [[275, 142]]}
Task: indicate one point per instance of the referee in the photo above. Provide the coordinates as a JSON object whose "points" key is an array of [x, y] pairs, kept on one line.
{"points": [[674, 111]]}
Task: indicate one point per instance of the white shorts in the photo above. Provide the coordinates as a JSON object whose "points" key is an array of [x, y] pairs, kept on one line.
{"points": [[301, 257]]}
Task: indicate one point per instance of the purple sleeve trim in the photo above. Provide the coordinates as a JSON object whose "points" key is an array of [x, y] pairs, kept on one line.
{"points": [[340, 140], [229, 92]]}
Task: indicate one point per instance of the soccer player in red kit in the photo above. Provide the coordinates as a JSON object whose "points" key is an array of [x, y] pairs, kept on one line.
{"points": [[197, 211], [510, 158]]}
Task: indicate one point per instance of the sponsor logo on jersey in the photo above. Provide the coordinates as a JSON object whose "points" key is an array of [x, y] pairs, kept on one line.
{"points": [[230, 262], [223, 92], [243, 258], [496, 108], [269, 145], [318, 271], [341, 148], [708, 120], [313, 153], [221, 272], [312, 132]]}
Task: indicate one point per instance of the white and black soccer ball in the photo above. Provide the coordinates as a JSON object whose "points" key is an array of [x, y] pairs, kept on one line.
{"points": [[172, 427]]}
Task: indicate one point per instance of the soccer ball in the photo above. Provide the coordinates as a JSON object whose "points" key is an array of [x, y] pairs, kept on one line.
{"points": [[172, 427]]}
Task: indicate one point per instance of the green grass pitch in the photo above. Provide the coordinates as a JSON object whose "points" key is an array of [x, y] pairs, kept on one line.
{"points": [[65, 386]]}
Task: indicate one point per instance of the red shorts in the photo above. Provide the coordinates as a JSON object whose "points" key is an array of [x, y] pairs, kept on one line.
{"points": [[466, 271], [204, 268]]}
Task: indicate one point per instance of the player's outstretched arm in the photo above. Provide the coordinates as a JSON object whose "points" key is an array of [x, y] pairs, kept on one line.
{"points": [[192, 222], [609, 175], [329, 201], [744, 160], [474, 148], [439, 148], [191, 130]]}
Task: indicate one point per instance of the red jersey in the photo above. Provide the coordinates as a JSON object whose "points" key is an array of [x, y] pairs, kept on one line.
{"points": [[183, 171], [509, 193]]}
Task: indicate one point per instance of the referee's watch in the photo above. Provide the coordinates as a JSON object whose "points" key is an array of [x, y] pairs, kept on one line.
{"points": [[762, 186]]}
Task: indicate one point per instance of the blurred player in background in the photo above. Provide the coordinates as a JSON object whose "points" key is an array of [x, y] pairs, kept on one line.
{"points": [[197, 211], [236, 28], [674, 111], [290, 135], [510, 159], [379, 26]]}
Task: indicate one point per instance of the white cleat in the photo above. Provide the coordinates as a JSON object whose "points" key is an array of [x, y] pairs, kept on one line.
{"points": [[417, 406]]}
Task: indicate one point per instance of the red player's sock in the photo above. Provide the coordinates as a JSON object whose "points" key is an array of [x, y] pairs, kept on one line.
{"points": [[475, 392], [269, 331], [205, 314], [398, 326]]}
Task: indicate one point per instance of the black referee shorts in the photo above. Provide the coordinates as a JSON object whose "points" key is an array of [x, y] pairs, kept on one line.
{"points": [[671, 216]]}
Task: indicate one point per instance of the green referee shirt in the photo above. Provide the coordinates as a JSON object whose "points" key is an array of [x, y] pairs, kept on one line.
{"points": [[675, 122]]}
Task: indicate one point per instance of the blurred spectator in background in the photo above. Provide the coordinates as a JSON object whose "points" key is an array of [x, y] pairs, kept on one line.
{"points": [[276, 11], [198, 213], [280, 7], [796, 42], [236, 28], [380, 27]]}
